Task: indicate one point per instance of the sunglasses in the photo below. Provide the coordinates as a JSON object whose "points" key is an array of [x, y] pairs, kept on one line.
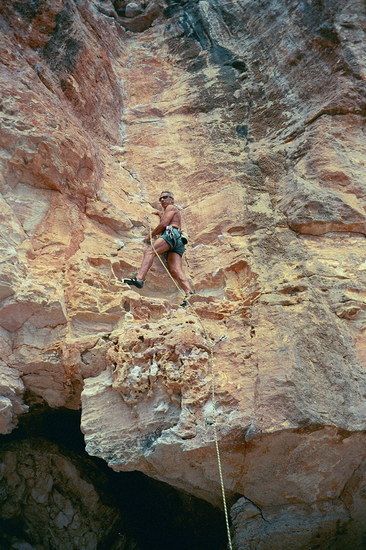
{"points": [[164, 197]]}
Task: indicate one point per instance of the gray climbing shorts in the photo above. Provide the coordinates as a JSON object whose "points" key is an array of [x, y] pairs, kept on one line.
{"points": [[173, 237]]}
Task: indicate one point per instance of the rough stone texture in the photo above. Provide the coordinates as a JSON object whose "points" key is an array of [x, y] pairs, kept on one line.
{"points": [[138, 16], [290, 526], [253, 114], [52, 502], [11, 402]]}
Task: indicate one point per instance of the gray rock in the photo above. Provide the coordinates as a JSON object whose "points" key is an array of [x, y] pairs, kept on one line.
{"points": [[292, 526], [133, 9]]}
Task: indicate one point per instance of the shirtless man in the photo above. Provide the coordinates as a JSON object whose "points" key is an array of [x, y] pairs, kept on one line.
{"points": [[170, 241]]}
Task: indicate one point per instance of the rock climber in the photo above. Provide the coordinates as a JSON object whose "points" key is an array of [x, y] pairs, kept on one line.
{"points": [[169, 242]]}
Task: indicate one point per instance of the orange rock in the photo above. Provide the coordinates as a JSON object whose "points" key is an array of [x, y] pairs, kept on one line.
{"points": [[258, 132]]}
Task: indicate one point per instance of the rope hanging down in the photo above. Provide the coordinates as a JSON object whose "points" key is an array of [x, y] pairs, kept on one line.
{"points": [[210, 346]]}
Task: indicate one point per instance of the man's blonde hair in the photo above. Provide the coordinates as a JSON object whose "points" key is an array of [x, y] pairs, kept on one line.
{"points": [[168, 193]]}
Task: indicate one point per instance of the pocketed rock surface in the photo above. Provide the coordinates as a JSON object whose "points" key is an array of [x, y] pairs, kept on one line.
{"points": [[253, 114]]}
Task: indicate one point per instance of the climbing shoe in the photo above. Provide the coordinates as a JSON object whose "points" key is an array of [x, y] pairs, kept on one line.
{"points": [[132, 281], [186, 300]]}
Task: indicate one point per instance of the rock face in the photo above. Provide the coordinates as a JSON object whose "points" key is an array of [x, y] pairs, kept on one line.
{"points": [[253, 114], [316, 526]]}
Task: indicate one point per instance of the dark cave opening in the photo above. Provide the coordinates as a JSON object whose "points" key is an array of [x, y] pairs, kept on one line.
{"points": [[155, 515]]}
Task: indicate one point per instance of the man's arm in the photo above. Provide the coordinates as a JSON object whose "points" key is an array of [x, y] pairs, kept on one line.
{"points": [[165, 219]]}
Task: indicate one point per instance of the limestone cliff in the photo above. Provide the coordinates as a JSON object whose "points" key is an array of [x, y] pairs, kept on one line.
{"points": [[253, 114]]}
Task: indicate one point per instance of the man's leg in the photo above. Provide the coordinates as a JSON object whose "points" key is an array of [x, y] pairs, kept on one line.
{"points": [[160, 246], [176, 269]]}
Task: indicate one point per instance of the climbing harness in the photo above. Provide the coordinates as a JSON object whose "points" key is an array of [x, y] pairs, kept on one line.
{"points": [[169, 231], [210, 346]]}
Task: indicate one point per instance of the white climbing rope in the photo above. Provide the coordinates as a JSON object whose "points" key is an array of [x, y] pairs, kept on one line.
{"points": [[210, 346], [218, 456]]}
